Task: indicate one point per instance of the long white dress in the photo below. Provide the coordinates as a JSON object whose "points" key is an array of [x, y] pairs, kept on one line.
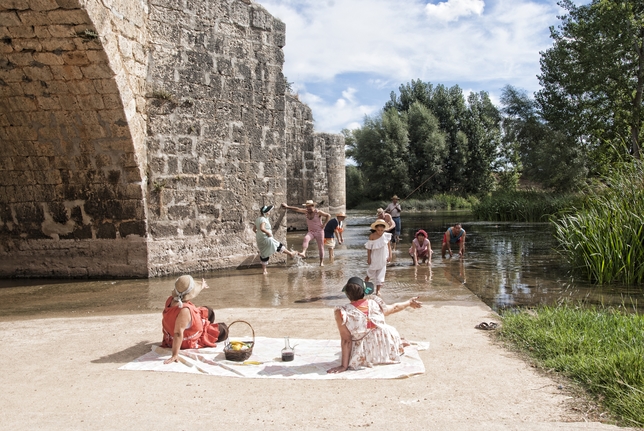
{"points": [[379, 254], [371, 346], [267, 245]]}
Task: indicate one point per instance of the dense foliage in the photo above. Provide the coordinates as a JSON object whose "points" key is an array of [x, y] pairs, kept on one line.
{"points": [[601, 349], [593, 76], [605, 237], [522, 206], [427, 140]]}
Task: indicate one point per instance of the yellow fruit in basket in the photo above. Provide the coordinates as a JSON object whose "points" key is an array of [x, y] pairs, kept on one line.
{"points": [[236, 347]]}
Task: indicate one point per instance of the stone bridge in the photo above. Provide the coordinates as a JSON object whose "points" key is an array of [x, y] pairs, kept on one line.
{"points": [[140, 138]]}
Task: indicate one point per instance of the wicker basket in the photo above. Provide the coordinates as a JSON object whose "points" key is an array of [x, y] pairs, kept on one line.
{"points": [[239, 355]]}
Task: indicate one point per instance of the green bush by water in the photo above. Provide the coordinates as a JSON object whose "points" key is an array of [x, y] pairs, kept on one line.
{"points": [[522, 206], [437, 202], [605, 238], [602, 349]]}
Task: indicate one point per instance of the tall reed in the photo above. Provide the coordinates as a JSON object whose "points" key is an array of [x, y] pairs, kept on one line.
{"points": [[602, 349], [605, 238], [521, 206]]}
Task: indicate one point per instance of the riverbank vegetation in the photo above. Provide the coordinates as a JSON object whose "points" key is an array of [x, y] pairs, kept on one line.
{"points": [[523, 206], [601, 349], [437, 202], [604, 238]]}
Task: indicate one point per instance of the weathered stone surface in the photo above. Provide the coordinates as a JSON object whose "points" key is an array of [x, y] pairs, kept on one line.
{"points": [[113, 166]]}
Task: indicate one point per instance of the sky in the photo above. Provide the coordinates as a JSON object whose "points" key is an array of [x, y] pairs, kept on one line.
{"points": [[345, 57]]}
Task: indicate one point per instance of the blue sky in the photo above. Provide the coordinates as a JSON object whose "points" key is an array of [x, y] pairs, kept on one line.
{"points": [[344, 57]]}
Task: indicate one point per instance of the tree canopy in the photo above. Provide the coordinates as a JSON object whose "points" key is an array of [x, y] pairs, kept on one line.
{"points": [[427, 139], [593, 76]]}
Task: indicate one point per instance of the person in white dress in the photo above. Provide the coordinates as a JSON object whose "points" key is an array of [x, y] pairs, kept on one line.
{"points": [[378, 253], [365, 339]]}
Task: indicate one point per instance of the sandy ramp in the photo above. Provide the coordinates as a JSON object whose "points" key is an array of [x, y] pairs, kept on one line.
{"points": [[63, 374]]}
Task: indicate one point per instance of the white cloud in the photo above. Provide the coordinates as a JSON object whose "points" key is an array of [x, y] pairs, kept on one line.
{"points": [[386, 43], [343, 113], [452, 10]]}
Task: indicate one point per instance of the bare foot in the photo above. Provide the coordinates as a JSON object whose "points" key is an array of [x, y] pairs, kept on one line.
{"points": [[302, 255]]}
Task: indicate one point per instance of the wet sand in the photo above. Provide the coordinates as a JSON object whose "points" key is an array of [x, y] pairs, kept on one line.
{"points": [[62, 374]]}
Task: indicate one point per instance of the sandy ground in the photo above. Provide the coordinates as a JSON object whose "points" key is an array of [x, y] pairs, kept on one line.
{"points": [[62, 374]]}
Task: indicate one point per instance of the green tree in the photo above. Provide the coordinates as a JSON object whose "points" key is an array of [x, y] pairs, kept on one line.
{"points": [[481, 125], [545, 155], [380, 149], [355, 186], [471, 130], [427, 149], [593, 77]]}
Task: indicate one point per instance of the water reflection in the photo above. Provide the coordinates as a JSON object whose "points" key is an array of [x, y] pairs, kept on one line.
{"points": [[506, 265]]}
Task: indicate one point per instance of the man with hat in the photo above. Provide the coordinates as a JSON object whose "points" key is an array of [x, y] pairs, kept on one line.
{"points": [[394, 209], [333, 229], [186, 326], [315, 221]]}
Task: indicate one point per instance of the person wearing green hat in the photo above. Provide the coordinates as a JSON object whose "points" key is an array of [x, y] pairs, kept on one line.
{"points": [[365, 338], [265, 242]]}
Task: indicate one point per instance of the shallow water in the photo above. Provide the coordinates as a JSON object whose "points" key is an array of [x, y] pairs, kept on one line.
{"points": [[506, 265]]}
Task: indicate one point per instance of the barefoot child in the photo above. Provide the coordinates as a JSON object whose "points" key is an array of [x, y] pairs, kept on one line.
{"points": [[333, 229], [378, 253], [421, 248]]}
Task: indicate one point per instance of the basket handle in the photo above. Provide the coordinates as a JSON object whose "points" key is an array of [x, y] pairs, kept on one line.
{"points": [[242, 321]]}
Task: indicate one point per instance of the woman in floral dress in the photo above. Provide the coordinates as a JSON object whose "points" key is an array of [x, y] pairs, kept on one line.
{"points": [[366, 339]]}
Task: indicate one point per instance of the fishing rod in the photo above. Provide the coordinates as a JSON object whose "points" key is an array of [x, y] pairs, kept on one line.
{"points": [[431, 176]]}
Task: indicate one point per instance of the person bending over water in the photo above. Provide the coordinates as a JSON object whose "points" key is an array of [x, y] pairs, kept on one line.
{"points": [[454, 235], [421, 249], [186, 326], [315, 220], [365, 338]]}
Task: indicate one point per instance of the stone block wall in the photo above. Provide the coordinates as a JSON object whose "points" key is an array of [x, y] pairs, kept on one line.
{"points": [[315, 164], [71, 199], [215, 131], [141, 137]]}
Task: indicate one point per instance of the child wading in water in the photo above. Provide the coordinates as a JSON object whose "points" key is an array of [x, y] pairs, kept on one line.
{"points": [[378, 253]]}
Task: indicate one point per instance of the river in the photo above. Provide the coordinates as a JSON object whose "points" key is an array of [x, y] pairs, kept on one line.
{"points": [[506, 265]]}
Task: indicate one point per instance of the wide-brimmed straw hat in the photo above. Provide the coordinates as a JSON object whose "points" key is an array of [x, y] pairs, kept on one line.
{"points": [[379, 222], [185, 289], [340, 214], [380, 211], [308, 203], [395, 197]]}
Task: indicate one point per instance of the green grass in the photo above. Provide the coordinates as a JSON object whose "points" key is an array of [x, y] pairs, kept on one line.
{"points": [[605, 237], [601, 349], [522, 206]]}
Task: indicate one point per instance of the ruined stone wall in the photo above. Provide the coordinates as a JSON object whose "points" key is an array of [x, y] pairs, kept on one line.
{"points": [[315, 164], [141, 137], [215, 131], [70, 179]]}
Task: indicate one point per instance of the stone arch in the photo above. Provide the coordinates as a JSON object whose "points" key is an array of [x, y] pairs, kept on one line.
{"points": [[70, 166]]}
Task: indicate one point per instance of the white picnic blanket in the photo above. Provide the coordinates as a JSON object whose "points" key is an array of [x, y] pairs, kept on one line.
{"points": [[312, 359]]}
